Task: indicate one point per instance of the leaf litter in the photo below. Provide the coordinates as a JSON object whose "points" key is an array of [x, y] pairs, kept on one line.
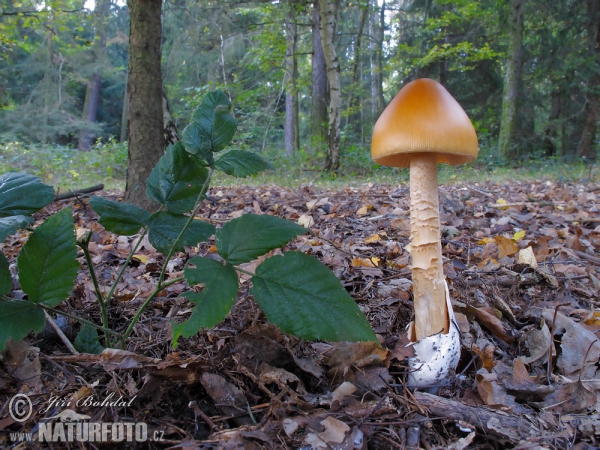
{"points": [[522, 260]]}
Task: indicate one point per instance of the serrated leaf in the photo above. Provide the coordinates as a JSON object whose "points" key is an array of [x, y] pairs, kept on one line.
{"points": [[304, 298], [17, 319], [87, 340], [119, 218], [197, 142], [240, 163], [10, 225], [23, 194], [214, 302], [212, 127], [246, 238], [5, 276], [48, 261], [164, 227], [177, 179]]}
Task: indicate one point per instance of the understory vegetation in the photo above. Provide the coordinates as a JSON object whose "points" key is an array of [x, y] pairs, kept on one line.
{"points": [[67, 168]]}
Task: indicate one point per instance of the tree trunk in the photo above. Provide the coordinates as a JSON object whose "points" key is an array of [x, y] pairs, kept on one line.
{"points": [[375, 46], [332, 162], [508, 124], [144, 87], [291, 89], [320, 94], [549, 144], [353, 115], [586, 148], [92, 93]]}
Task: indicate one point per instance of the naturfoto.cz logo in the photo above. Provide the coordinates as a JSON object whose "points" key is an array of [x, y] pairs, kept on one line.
{"points": [[70, 426]]}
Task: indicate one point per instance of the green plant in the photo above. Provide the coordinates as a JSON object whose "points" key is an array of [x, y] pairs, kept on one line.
{"points": [[296, 292]]}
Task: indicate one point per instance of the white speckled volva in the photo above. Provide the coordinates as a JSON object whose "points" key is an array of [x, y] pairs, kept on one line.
{"points": [[435, 356]]}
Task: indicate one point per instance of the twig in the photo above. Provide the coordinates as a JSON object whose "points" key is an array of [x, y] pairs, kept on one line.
{"points": [[194, 406], [549, 367], [78, 192], [60, 334]]}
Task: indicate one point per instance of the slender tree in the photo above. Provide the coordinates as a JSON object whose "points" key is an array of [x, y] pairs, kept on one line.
{"points": [[508, 123], [320, 91], [92, 93], [144, 87], [327, 27], [291, 132]]}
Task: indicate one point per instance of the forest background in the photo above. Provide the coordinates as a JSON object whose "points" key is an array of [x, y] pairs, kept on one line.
{"points": [[306, 95]]}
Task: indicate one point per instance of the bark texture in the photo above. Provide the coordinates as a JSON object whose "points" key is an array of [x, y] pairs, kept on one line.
{"points": [[429, 291], [291, 135], [377, 26], [320, 92], [508, 124], [327, 30], [586, 148], [144, 87]]}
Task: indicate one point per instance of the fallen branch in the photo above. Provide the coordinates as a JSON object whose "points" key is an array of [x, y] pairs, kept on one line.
{"points": [[503, 425], [77, 192]]}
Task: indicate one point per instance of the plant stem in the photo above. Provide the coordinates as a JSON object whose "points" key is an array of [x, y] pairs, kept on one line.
{"points": [[78, 319], [160, 285], [101, 299]]}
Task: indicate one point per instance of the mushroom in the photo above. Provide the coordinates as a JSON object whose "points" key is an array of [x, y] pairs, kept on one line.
{"points": [[421, 127]]}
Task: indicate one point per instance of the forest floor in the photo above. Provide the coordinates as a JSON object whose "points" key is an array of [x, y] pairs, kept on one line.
{"points": [[522, 261]]}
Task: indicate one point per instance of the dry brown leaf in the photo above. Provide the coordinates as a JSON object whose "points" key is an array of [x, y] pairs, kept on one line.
{"points": [[576, 344], [506, 246]]}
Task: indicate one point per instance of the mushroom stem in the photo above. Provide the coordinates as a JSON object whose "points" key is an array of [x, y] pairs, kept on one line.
{"points": [[429, 292]]}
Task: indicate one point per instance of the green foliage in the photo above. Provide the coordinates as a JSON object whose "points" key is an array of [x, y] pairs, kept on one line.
{"points": [[63, 166], [119, 218], [240, 163], [246, 238], [171, 230], [48, 261], [177, 180], [18, 318], [215, 300], [5, 278], [304, 298], [87, 340], [297, 292], [22, 194]]}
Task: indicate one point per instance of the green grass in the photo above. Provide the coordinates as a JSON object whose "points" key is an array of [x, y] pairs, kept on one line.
{"points": [[66, 168]]}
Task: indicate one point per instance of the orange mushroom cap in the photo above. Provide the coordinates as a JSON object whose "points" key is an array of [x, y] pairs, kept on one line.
{"points": [[423, 118]]}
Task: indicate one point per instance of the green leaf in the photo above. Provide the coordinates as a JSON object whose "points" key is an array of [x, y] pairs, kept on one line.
{"points": [[240, 163], [119, 218], [246, 238], [197, 142], [17, 319], [165, 227], [304, 298], [214, 302], [48, 261], [5, 277], [212, 127], [177, 179], [23, 194], [10, 225], [87, 340]]}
